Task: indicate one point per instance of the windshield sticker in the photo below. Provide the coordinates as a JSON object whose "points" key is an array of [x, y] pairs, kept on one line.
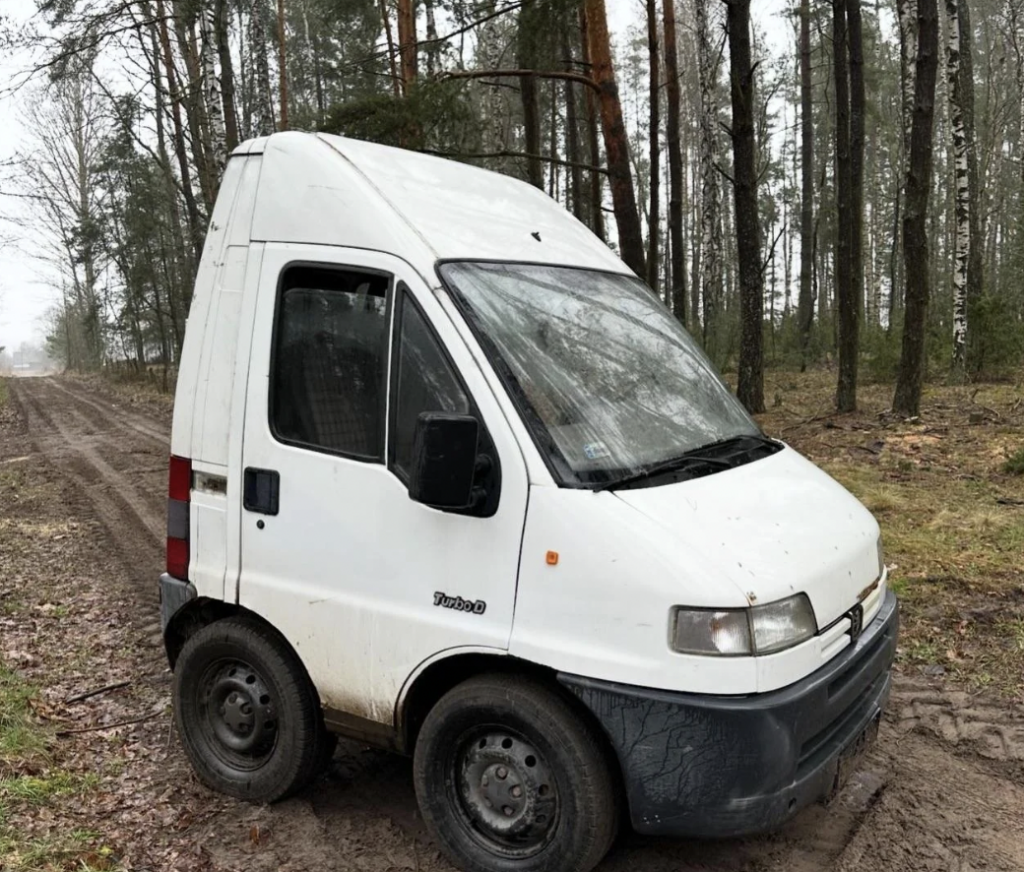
{"points": [[595, 451]]}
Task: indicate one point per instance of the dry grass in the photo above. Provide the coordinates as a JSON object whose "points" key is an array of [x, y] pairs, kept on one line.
{"points": [[950, 506]]}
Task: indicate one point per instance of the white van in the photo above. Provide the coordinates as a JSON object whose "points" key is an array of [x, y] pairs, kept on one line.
{"points": [[449, 480]]}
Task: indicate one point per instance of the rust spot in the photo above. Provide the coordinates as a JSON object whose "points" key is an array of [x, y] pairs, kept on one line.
{"points": [[864, 594]]}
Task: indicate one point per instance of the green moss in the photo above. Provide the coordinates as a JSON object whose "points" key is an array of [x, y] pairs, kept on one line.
{"points": [[1015, 464]]}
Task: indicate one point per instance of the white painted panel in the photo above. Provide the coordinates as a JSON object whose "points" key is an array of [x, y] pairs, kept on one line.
{"points": [[222, 356], [190, 392], [236, 427], [775, 527], [208, 528]]}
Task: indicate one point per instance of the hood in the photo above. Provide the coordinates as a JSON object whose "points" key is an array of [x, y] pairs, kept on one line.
{"points": [[774, 527]]}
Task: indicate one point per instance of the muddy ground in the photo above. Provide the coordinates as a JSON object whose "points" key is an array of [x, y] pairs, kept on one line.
{"points": [[82, 501]]}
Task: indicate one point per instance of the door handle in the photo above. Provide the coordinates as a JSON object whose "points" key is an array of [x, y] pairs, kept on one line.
{"points": [[261, 491]]}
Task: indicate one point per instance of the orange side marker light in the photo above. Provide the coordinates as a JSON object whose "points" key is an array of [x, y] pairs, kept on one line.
{"points": [[552, 558]]}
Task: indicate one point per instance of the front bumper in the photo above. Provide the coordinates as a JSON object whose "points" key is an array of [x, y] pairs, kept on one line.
{"points": [[709, 766]]}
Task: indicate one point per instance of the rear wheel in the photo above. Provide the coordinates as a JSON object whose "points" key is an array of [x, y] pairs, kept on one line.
{"points": [[510, 778], [248, 716]]}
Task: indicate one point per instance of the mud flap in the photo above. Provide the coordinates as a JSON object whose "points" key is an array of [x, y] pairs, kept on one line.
{"points": [[174, 593]]}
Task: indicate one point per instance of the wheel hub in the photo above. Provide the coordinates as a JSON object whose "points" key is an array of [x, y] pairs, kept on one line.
{"points": [[507, 789], [241, 710]]}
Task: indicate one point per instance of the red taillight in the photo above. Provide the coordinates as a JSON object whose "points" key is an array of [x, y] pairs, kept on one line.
{"points": [[179, 492], [177, 558], [180, 479]]}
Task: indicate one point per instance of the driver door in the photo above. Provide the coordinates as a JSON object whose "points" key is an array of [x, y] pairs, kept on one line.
{"points": [[349, 347]]}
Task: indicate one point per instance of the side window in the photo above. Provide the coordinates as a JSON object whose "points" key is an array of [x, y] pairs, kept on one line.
{"points": [[327, 386], [424, 382]]}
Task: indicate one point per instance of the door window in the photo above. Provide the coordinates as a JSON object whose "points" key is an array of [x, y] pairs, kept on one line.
{"points": [[424, 382], [329, 362]]}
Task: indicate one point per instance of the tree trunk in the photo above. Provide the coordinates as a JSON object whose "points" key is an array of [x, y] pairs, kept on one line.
{"points": [[750, 389], [227, 75], [527, 34], [175, 290], [845, 399], [1015, 8], [962, 194], [246, 74], [975, 260], [907, 398], [396, 78], [711, 191], [407, 42], [258, 53], [191, 97], [282, 65], [433, 46], [313, 49], [676, 179], [805, 302], [192, 209], [596, 182], [572, 133], [218, 145], [908, 57], [616, 143], [654, 211], [851, 305]]}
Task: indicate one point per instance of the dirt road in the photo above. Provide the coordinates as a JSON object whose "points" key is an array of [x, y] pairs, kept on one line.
{"points": [[82, 498]]}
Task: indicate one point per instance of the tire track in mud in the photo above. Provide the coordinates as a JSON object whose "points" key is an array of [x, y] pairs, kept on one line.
{"points": [[113, 416], [964, 720], [134, 523]]}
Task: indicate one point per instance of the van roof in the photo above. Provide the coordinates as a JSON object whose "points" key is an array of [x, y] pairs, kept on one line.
{"points": [[330, 190]]}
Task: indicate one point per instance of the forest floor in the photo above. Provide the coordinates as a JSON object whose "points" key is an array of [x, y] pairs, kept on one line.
{"points": [[100, 782]]}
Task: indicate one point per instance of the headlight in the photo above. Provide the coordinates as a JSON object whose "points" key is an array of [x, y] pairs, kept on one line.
{"points": [[783, 624], [703, 631], [762, 629]]}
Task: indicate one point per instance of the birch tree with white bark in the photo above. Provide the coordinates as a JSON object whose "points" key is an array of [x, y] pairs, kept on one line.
{"points": [[962, 195], [217, 147]]}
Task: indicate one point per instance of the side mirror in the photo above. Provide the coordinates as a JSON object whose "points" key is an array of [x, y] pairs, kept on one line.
{"points": [[443, 460]]}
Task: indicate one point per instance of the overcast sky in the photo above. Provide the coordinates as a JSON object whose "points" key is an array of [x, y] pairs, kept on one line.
{"points": [[27, 287]]}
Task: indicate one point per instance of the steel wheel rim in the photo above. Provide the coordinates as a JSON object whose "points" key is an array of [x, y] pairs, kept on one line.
{"points": [[238, 714], [504, 791]]}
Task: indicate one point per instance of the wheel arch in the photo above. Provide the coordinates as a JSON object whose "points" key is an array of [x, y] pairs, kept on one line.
{"points": [[434, 679], [201, 612]]}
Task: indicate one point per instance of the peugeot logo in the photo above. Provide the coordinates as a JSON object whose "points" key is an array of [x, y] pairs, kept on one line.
{"points": [[856, 616]]}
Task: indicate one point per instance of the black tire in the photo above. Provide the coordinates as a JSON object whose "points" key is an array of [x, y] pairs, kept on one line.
{"points": [[248, 716], [510, 778], [327, 748]]}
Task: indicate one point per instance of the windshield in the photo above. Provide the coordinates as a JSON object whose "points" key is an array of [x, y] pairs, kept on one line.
{"points": [[607, 379]]}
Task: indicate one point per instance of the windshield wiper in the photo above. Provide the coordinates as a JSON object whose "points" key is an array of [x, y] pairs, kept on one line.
{"points": [[703, 456], [733, 442], [686, 461]]}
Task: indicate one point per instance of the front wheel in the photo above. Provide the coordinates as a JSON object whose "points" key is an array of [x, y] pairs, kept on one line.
{"points": [[248, 716], [510, 778]]}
